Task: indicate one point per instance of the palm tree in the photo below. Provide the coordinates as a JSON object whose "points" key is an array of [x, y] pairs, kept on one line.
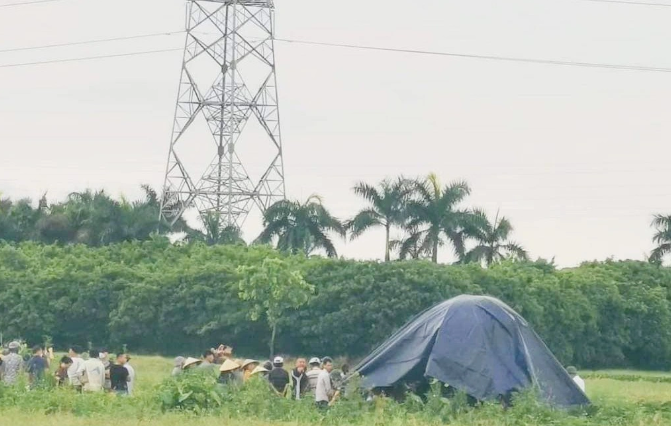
{"points": [[662, 238], [215, 232], [492, 240], [300, 227], [409, 247], [387, 209], [435, 218]]}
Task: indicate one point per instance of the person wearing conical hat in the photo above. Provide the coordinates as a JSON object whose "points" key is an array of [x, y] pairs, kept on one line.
{"points": [[228, 372], [260, 371], [248, 367], [191, 363]]}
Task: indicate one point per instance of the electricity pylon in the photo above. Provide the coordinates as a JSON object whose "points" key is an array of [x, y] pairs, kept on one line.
{"points": [[228, 78]]}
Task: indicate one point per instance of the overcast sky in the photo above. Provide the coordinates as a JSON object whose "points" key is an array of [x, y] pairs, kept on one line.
{"points": [[577, 158]]}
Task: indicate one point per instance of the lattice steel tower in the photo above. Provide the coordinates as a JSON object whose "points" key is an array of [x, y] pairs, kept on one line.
{"points": [[228, 81]]}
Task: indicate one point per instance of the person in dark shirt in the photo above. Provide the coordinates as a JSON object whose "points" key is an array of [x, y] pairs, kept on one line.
{"points": [[119, 375], [36, 366], [62, 373], [279, 377]]}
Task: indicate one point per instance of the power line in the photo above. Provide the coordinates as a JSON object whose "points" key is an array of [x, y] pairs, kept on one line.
{"points": [[487, 57], [89, 58], [622, 67], [25, 3], [102, 40]]}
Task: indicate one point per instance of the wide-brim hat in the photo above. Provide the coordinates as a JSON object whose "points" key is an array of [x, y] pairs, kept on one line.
{"points": [[191, 361], [229, 365], [248, 361], [14, 345], [259, 369]]}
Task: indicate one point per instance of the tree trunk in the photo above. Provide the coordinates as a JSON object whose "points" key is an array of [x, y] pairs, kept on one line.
{"points": [[386, 247], [434, 254], [272, 341]]}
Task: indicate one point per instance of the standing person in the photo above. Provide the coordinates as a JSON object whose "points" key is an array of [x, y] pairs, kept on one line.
{"points": [[324, 392], [227, 373], [260, 371], [105, 358], [119, 376], [247, 367], [313, 374], [222, 353], [61, 373], [12, 364], [76, 369], [299, 379], [278, 376], [208, 361], [573, 372], [36, 367], [94, 372], [131, 375], [177, 366]]}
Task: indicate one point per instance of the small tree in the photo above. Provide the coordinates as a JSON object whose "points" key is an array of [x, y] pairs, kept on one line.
{"points": [[272, 288]]}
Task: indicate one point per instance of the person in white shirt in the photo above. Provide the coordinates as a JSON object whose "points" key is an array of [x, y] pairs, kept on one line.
{"points": [[131, 375], [76, 370], [324, 391], [573, 372], [313, 373], [94, 370]]}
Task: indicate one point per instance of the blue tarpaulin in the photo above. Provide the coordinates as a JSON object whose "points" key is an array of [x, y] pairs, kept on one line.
{"points": [[476, 344]]}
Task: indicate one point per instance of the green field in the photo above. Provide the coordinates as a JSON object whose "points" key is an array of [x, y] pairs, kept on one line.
{"points": [[628, 398]]}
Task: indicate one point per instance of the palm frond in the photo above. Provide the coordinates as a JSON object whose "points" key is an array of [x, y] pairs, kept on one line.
{"points": [[368, 192], [477, 254], [455, 192], [516, 251], [409, 246], [321, 240], [661, 221], [657, 255], [362, 222]]}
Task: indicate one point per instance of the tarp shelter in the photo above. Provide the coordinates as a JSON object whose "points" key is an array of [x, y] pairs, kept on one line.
{"points": [[476, 344]]}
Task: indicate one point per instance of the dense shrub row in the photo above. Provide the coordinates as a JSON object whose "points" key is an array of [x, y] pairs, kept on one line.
{"points": [[154, 296]]}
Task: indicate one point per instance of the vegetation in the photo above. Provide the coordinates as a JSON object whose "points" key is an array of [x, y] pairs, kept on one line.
{"points": [[492, 242], [301, 227], [387, 209], [662, 238], [155, 296], [423, 210], [91, 218], [273, 288]]}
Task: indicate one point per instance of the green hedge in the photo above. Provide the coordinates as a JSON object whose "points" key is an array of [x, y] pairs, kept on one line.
{"points": [[157, 297]]}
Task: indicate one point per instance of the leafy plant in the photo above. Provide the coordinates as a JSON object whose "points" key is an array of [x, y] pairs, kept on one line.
{"points": [[274, 287]]}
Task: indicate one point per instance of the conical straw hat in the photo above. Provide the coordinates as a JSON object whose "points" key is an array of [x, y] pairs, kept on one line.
{"points": [[229, 365], [259, 369], [191, 361]]}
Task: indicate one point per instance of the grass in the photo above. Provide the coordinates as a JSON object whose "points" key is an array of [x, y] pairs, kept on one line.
{"points": [[618, 401]]}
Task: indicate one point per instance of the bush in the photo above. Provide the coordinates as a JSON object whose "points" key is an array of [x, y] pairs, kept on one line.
{"points": [[157, 297]]}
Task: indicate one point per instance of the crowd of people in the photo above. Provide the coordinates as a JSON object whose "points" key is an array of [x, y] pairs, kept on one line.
{"points": [[97, 373], [314, 379]]}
